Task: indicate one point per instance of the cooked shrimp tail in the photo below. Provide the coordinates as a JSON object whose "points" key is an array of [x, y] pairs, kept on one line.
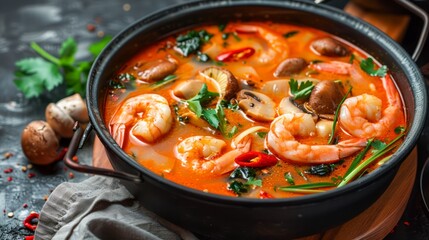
{"points": [[278, 48], [148, 115], [205, 154], [361, 115], [281, 140]]}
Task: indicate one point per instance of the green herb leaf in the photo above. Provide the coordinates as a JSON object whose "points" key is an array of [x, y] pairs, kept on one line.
{"points": [[262, 134], [399, 130], [34, 75], [289, 178], [255, 182], [67, 51], [377, 154], [378, 145], [307, 188], [166, 80], [238, 187], [96, 48], [243, 173], [290, 34], [210, 115], [337, 112], [192, 41], [367, 65], [300, 91], [321, 170]]}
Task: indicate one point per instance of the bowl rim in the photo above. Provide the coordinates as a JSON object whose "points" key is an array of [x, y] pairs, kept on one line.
{"points": [[414, 77]]}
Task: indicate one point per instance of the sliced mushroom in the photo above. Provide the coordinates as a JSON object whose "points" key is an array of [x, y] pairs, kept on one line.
{"points": [[188, 89], [287, 106], [325, 97], [224, 79], [75, 107], [60, 121], [156, 70], [290, 66], [329, 47], [39, 143], [257, 106]]}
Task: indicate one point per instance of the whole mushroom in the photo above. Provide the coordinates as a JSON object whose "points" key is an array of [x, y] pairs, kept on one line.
{"points": [[40, 143], [60, 121], [75, 107]]}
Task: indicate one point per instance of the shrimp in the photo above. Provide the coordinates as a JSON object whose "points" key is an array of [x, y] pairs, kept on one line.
{"points": [[204, 154], [361, 115], [282, 142], [148, 114], [278, 48], [336, 67]]}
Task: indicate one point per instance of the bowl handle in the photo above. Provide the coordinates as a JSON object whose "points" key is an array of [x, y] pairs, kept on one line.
{"points": [[72, 150], [425, 18]]}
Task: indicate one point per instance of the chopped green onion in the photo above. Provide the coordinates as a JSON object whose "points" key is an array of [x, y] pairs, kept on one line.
{"points": [[337, 111]]}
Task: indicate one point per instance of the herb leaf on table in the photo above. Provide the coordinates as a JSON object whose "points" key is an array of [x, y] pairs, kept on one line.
{"points": [[34, 76]]}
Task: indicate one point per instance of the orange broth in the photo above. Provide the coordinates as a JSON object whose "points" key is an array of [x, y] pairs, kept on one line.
{"points": [[160, 156]]}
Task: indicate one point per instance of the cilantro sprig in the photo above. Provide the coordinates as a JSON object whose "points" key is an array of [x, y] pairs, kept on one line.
{"points": [[214, 116], [368, 66], [300, 91], [34, 76]]}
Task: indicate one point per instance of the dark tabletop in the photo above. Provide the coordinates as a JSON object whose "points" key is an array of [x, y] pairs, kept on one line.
{"points": [[49, 22]]}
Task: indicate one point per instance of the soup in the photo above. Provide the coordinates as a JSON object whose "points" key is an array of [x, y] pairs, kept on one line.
{"points": [[255, 109]]}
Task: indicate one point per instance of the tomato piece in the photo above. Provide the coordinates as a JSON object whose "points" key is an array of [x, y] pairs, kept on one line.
{"points": [[264, 195], [236, 54], [256, 159]]}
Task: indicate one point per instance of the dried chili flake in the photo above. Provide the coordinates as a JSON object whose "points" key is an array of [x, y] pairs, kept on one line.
{"points": [[7, 155], [406, 223], [90, 27], [31, 175], [9, 179], [75, 158], [24, 205], [29, 237], [71, 175], [8, 170], [28, 221]]}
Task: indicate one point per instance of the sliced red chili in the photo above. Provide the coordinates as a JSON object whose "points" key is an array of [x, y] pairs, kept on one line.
{"points": [[256, 159], [28, 219], [264, 195], [236, 54]]}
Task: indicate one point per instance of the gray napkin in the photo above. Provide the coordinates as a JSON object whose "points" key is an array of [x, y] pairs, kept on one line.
{"points": [[101, 208]]}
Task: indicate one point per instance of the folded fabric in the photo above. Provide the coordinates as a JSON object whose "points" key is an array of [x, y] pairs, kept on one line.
{"points": [[101, 208]]}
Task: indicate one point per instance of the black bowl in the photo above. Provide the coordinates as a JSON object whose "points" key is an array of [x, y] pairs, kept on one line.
{"points": [[218, 217]]}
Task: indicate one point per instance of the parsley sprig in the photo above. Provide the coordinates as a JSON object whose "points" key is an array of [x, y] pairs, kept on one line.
{"points": [[368, 66], [214, 116], [33, 76], [300, 91]]}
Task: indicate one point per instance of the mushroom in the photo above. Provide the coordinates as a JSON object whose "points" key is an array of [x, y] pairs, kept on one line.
{"points": [[226, 82], [257, 106], [188, 89], [75, 107], [39, 143], [329, 47], [287, 106], [156, 70], [290, 66], [325, 97], [59, 121]]}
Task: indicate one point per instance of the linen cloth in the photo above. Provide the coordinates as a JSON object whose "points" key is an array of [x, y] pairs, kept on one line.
{"points": [[101, 208]]}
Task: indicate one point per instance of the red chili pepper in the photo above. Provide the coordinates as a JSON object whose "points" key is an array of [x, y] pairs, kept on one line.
{"points": [[27, 221], [236, 54], [264, 195], [256, 159]]}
